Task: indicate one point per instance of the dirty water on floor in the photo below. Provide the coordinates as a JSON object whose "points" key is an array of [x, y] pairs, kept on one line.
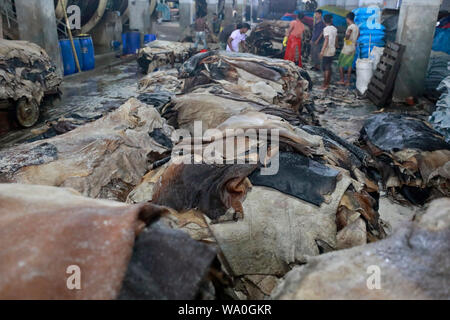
{"points": [[87, 97]]}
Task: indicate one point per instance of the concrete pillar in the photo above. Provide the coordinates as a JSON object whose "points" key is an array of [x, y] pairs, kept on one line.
{"points": [[109, 29], [139, 13], [212, 7], [187, 13], [418, 39], [1, 26], [228, 11], [240, 8], [37, 23]]}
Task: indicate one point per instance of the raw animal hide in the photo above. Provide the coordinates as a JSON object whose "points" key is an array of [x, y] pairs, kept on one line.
{"points": [[161, 53], [413, 263], [413, 159], [104, 159], [26, 71], [45, 230]]}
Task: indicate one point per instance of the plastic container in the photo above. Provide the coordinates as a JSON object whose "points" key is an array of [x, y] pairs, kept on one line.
{"points": [[149, 38], [364, 73], [88, 54], [67, 57], [133, 42], [124, 43], [376, 55]]}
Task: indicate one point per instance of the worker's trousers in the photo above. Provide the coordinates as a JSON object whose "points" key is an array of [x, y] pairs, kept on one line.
{"points": [[294, 50], [200, 36]]}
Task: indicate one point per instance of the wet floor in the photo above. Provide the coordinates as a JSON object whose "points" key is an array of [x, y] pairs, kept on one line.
{"points": [[89, 96]]}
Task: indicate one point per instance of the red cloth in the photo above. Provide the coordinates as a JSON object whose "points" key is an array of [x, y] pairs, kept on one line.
{"points": [[293, 43]]}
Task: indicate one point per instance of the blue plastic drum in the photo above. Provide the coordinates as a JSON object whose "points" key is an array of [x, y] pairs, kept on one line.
{"points": [[134, 42], [149, 38], [67, 57], [87, 48]]}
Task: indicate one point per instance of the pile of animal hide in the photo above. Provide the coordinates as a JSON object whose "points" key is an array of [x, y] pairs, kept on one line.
{"points": [[212, 105], [256, 78], [102, 159], [413, 263], [319, 200], [162, 53], [413, 160], [26, 71], [158, 88], [267, 38], [53, 240]]}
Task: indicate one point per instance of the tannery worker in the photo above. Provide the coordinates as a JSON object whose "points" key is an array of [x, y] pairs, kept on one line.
{"points": [[328, 49], [317, 39], [348, 52], [294, 44], [238, 37], [201, 27], [225, 33]]}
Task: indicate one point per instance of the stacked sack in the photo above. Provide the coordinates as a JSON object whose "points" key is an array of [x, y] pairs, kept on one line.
{"points": [[371, 31]]}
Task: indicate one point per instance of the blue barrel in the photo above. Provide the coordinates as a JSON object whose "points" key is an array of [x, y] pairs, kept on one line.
{"points": [[87, 48], [125, 43], [77, 43], [149, 38], [67, 57], [134, 42]]}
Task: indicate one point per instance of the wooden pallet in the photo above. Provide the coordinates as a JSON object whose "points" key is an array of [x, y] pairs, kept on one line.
{"points": [[382, 84]]}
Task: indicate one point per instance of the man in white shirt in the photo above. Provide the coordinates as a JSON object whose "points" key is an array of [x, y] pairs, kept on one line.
{"points": [[348, 52], [237, 37], [328, 49]]}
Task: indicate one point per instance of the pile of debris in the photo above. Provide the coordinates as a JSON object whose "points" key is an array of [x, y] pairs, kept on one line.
{"points": [[162, 53], [413, 160]]}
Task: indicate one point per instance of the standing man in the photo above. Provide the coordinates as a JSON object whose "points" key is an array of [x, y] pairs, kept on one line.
{"points": [[317, 39], [295, 35], [328, 49], [200, 27], [348, 52], [237, 37]]}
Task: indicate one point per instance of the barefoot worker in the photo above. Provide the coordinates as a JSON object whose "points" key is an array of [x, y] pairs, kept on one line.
{"points": [[294, 44], [328, 49], [348, 52]]}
